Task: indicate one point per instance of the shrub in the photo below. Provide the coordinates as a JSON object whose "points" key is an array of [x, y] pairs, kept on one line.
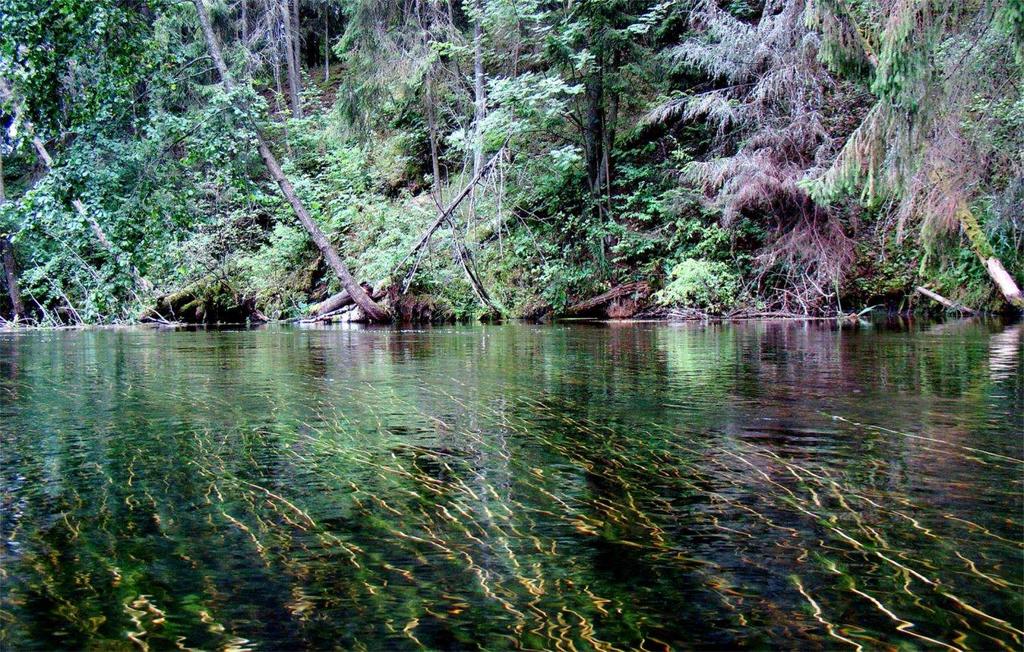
{"points": [[708, 285]]}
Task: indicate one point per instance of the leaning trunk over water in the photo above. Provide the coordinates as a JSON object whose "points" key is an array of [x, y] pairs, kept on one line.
{"points": [[938, 298], [983, 249], [443, 217], [97, 230], [341, 300], [373, 311]]}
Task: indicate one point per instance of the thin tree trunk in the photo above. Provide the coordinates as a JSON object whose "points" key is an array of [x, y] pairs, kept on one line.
{"points": [[279, 50], [94, 226], [327, 45], [244, 19], [97, 230], [443, 217], [608, 120], [296, 41], [592, 134], [291, 60], [938, 298], [275, 65], [373, 311], [479, 95], [435, 164], [7, 253]]}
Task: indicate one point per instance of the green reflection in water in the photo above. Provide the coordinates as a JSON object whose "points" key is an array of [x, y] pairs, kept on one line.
{"points": [[566, 487]]}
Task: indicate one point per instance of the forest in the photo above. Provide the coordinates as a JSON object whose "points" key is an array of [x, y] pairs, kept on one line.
{"points": [[430, 160]]}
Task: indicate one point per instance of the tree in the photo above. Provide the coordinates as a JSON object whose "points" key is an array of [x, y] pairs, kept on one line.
{"points": [[7, 254], [769, 109], [938, 79], [289, 27], [373, 311]]}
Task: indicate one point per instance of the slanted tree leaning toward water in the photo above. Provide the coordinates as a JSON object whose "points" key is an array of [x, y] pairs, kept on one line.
{"points": [[373, 311]]}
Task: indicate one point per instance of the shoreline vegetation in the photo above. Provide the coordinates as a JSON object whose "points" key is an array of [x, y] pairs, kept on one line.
{"points": [[666, 317], [261, 161]]}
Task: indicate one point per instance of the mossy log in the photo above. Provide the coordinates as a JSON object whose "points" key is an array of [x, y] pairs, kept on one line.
{"points": [[204, 302], [625, 301]]}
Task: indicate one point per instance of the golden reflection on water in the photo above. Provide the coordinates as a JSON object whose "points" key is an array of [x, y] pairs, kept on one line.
{"points": [[560, 488]]}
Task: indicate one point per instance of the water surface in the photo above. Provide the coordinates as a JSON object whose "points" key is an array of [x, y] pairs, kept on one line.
{"points": [[561, 487]]}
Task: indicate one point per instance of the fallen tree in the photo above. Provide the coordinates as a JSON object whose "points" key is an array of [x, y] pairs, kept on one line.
{"points": [[94, 226], [443, 216], [341, 300], [373, 311], [636, 290], [938, 298]]}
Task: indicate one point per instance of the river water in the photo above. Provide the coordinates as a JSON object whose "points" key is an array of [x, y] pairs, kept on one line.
{"points": [[569, 487]]}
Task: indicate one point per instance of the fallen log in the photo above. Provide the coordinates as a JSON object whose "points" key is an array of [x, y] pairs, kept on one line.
{"points": [[952, 305], [445, 214], [342, 299], [316, 234], [639, 288], [1004, 282]]}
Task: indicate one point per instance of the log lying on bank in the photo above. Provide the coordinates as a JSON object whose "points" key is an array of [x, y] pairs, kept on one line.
{"points": [[407, 308], [624, 300], [203, 302], [952, 305], [340, 300]]}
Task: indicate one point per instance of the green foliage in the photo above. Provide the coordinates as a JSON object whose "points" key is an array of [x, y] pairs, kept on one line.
{"points": [[702, 284], [706, 194]]}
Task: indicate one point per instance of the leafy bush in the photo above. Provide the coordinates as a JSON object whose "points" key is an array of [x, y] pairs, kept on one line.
{"points": [[708, 285]]}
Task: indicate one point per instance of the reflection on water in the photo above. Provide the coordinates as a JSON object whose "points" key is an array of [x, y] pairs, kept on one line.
{"points": [[561, 487]]}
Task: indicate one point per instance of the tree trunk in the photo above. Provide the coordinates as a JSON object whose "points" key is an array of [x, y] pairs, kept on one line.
{"points": [[1004, 282], [952, 305], [327, 45], [275, 65], [435, 164], [291, 60], [7, 253], [639, 289], [339, 300], [244, 20], [97, 230], [592, 133], [373, 311], [11, 274], [479, 94], [608, 120], [296, 43], [983, 249], [443, 217]]}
